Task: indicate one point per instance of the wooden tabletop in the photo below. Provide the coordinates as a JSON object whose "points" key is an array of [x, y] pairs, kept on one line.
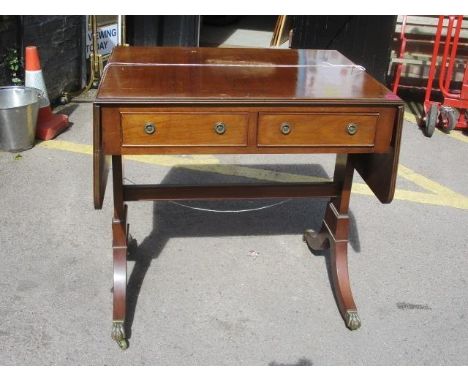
{"points": [[236, 75]]}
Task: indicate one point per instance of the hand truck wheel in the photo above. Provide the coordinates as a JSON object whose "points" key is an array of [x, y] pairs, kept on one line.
{"points": [[450, 117], [431, 120]]}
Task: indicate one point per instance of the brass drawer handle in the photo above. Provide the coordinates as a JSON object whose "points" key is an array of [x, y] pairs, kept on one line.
{"points": [[150, 128], [220, 128], [285, 128], [352, 128]]}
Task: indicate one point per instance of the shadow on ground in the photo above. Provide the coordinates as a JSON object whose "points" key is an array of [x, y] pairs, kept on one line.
{"points": [[171, 220]]}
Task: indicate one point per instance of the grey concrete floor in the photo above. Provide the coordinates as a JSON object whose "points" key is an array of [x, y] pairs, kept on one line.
{"points": [[231, 289], [247, 31]]}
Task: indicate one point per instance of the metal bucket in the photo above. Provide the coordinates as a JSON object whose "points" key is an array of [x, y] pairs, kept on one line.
{"points": [[19, 106]]}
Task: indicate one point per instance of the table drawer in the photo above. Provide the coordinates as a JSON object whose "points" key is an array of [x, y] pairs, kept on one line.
{"points": [[184, 129], [317, 129]]}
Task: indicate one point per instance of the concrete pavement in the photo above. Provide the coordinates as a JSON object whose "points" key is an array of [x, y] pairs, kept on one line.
{"points": [[231, 289]]}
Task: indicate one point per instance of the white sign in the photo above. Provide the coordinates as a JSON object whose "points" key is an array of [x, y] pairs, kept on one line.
{"points": [[107, 38]]}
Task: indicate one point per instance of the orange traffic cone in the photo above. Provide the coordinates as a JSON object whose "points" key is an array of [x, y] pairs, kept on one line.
{"points": [[49, 125]]}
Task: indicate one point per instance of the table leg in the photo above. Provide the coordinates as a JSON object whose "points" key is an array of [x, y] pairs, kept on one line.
{"points": [[119, 250], [334, 235]]}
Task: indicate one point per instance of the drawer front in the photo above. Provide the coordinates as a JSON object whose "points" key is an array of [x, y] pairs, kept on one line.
{"points": [[317, 129], [184, 129]]}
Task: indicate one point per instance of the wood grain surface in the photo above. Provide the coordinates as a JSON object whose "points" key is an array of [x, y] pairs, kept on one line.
{"points": [[230, 75], [316, 129], [184, 129]]}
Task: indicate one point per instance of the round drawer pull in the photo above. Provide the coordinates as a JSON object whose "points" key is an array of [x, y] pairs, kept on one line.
{"points": [[150, 128], [285, 128], [352, 128], [220, 128]]}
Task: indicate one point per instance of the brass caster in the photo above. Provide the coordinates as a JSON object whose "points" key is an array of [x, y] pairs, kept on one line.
{"points": [[123, 344], [353, 322], [118, 334], [307, 232], [65, 98]]}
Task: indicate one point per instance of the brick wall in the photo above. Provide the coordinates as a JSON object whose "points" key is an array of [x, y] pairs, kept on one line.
{"points": [[60, 43], [8, 37], [59, 40]]}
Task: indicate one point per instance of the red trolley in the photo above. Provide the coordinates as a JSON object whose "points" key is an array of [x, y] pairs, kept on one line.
{"points": [[452, 111]]}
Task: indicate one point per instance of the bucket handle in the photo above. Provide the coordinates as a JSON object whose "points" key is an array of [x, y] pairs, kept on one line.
{"points": [[40, 93]]}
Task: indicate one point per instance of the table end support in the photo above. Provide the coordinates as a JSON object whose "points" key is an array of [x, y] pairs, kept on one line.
{"points": [[334, 235], [120, 237], [338, 259]]}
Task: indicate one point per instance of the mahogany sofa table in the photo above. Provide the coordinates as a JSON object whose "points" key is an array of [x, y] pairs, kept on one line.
{"points": [[155, 100]]}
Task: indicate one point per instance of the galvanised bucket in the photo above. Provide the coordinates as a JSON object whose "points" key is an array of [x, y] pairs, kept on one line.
{"points": [[19, 106]]}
